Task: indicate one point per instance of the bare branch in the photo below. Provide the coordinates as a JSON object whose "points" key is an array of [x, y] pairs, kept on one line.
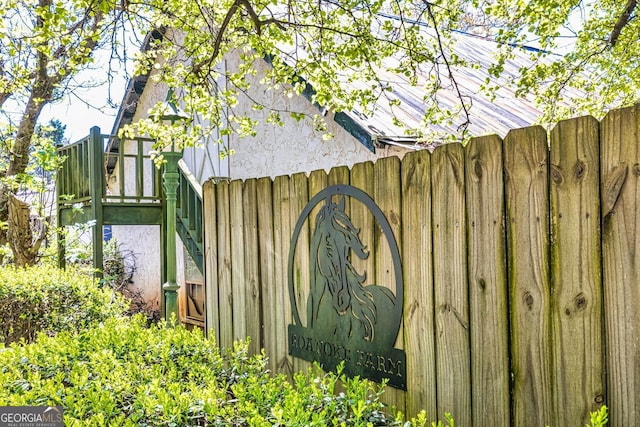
{"points": [[463, 104]]}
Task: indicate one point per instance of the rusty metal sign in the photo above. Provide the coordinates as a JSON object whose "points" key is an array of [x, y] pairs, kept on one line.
{"points": [[345, 318]]}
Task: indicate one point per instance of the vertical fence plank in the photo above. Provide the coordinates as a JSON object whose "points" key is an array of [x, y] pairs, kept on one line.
{"points": [[620, 192], [526, 162], [301, 272], [361, 216], [388, 197], [338, 175], [211, 259], [238, 301], [450, 283], [576, 270], [252, 313], [225, 291], [488, 299], [268, 282], [318, 181], [282, 238], [419, 339]]}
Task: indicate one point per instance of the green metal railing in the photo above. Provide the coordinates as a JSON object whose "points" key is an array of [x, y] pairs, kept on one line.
{"points": [[189, 216], [73, 181], [86, 191], [147, 185], [77, 183]]}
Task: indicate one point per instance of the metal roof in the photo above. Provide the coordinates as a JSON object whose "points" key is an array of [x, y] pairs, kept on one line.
{"points": [[487, 116], [504, 112]]}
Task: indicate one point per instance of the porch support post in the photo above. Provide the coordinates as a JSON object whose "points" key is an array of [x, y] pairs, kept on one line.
{"points": [[170, 179], [96, 171]]}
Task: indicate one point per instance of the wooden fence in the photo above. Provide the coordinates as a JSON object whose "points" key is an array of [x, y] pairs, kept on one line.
{"points": [[521, 265]]}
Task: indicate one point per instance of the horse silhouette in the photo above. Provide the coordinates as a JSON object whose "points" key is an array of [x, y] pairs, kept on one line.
{"points": [[339, 306]]}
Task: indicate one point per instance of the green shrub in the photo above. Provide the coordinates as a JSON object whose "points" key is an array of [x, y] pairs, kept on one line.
{"points": [[46, 299], [122, 373]]}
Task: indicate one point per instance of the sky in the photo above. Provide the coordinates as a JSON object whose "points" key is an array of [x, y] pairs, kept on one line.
{"points": [[79, 117], [84, 108]]}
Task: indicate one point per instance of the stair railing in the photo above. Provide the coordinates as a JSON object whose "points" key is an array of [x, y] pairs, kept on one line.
{"points": [[189, 212]]}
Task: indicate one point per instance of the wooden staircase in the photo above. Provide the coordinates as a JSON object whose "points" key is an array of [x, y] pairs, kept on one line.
{"points": [[112, 182], [189, 215]]}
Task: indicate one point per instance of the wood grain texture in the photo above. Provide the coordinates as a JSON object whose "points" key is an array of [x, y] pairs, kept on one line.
{"points": [[388, 197], [282, 241], [527, 200], [253, 313], [338, 175], [488, 287], [450, 283], [209, 218], [417, 261], [225, 287], [301, 272], [495, 239], [576, 272], [267, 270], [362, 177], [238, 280], [620, 192], [317, 183]]}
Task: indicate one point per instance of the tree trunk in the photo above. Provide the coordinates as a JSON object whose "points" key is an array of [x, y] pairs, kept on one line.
{"points": [[18, 160], [24, 245]]}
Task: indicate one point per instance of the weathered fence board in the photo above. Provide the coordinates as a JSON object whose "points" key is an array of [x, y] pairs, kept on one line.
{"points": [[266, 242], [361, 177], [252, 266], [211, 260], [387, 194], [577, 293], [282, 236], [338, 175], [620, 193], [450, 283], [488, 298], [519, 259], [301, 272], [527, 196], [225, 289], [238, 279], [419, 338]]}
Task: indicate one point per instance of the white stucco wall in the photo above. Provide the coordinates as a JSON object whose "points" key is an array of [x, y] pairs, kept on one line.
{"points": [[144, 242], [292, 148]]}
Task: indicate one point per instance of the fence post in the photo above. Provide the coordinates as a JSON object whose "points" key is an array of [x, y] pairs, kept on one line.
{"points": [[96, 188], [60, 233]]}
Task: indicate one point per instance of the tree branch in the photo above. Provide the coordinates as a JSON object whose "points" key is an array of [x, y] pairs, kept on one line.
{"points": [[622, 22], [463, 127], [257, 22], [223, 28]]}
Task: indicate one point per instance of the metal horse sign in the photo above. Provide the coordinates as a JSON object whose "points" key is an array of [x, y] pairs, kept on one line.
{"points": [[347, 320]]}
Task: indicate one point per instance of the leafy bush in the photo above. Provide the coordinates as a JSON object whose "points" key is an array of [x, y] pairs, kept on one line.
{"points": [[118, 267], [599, 418], [122, 373], [46, 299]]}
